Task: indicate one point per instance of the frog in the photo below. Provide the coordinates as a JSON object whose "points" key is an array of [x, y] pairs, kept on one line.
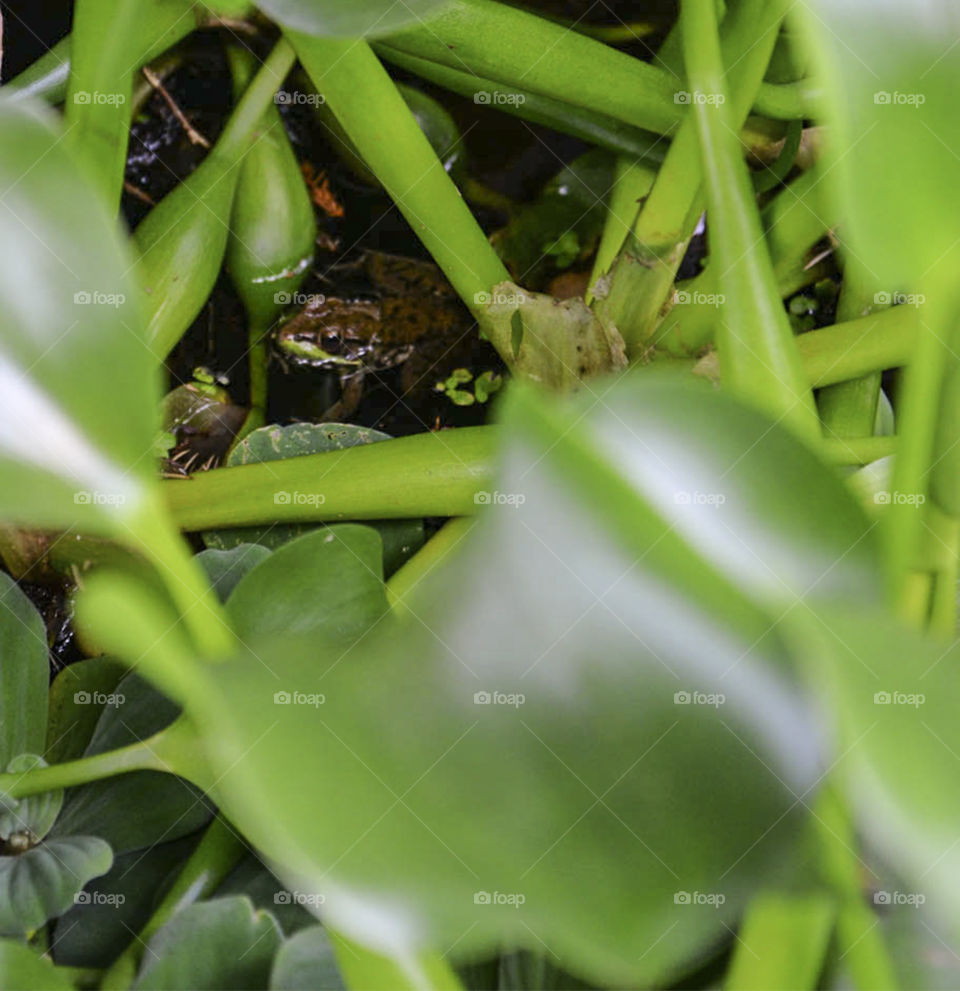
{"points": [[412, 320]]}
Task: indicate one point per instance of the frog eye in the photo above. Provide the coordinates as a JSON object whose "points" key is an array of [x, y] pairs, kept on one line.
{"points": [[331, 343]]}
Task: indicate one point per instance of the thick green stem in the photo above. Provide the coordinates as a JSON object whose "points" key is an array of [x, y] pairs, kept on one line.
{"points": [[595, 128], [431, 474], [506, 44], [639, 284], [98, 92], [793, 221], [142, 756], [377, 120], [755, 342], [859, 940]]}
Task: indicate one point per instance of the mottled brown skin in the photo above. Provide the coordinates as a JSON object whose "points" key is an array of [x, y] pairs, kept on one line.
{"points": [[414, 320]]}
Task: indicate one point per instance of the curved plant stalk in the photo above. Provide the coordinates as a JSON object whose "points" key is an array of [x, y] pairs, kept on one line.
{"points": [[156, 753], [632, 183], [920, 408], [639, 284], [362, 968], [429, 474], [272, 235], [849, 409], [595, 128], [784, 936], [183, 239], [377, 120], [110, 40], [217, 853], [755, 342], [158, 27], [505, 44], [403, 581], [796, 100], [858, 937], [858, 450], [793, 221]]}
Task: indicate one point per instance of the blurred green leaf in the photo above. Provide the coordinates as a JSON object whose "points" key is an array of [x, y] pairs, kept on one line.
{"points": [[24, 970], [610, 684], [46, 880], [894, 696], [69, 323], [209, 946], [23, 673], [891, 82]]}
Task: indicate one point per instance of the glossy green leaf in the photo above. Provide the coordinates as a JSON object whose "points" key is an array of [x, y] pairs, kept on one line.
{"points": [[69, 323], [401, 538], [23, 673], [891, 75], [566, 688], [21, 968], [136, 810], [306, 962], [93, 931], [77, 697], [348, 18], [46, 880], [328, 581], [33, 816], [210, 946], [226, 568]]}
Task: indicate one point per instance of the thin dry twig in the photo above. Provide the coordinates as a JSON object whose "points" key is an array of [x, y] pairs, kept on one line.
{"points": [[192, 133]]}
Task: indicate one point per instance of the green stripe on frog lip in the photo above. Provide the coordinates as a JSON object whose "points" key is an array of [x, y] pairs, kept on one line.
{"points": [[313, 355]]}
